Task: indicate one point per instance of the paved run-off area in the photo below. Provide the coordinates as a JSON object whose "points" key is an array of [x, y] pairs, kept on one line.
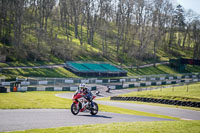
{"points": [[23, 119]]}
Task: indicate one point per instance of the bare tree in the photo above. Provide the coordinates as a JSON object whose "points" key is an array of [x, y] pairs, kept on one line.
{"points": [[196, 37], [92, 9]]}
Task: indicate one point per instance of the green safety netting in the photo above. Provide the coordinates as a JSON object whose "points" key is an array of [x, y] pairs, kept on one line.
{"points": [[93, 67]]}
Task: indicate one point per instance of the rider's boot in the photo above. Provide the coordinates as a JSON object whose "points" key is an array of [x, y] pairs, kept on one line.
{"points": [[91, 103]]}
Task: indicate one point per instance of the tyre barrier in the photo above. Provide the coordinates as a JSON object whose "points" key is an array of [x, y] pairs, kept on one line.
{"points": [[3, 89], [161, 101]]}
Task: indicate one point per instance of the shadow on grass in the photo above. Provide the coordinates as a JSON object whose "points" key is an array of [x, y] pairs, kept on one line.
{"points": [[147, 71], [43, 72], [162, 69]]}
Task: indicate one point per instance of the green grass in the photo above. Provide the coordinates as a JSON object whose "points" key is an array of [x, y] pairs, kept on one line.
{"points": [[174, 53], [127, 127], [43, 100], [161, 69], [9, 77], [33, 100], [3, 65], [62, 72], [42, 72], [173, 93], [52, 61], [191, 68]]}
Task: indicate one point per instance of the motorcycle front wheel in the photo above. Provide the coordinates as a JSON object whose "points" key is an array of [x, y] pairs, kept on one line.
{"points": [[74, 109], [94, 109]]}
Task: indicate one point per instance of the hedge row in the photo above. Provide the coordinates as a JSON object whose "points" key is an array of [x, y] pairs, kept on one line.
{"points": [[161, 101]]}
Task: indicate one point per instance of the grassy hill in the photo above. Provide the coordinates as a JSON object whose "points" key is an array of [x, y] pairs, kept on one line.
{"points": [[59, 47], [62, 48], [64, 73], [162, 69]]}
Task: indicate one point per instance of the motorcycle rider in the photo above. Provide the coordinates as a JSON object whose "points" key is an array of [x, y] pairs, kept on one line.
{"points": [[86, 93]]}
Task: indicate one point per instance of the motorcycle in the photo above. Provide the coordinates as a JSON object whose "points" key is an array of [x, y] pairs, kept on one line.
{"points": [[81, 104]]}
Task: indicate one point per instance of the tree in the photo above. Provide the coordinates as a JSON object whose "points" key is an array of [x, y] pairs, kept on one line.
{"points": [[92, 10], [179, 19], [190, 16], [196, 38], [105, 15]]}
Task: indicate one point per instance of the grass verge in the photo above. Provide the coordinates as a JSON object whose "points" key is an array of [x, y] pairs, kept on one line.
{"points": [[189, 92], [127, 127], [33, 100]]}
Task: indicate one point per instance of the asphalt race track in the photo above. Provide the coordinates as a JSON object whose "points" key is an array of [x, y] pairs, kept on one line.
{"points": [[184, 114], [23, 119], [174, 112]]}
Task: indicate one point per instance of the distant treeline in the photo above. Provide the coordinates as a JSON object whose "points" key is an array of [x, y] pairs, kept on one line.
{"points": [[124, 29]]}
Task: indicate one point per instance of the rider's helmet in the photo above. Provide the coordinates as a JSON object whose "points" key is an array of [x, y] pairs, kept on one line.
{"points": [[82, 87], [83, 84]]}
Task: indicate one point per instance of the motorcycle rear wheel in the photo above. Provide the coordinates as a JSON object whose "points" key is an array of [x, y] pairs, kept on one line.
{"points": [[95, 109], [74, 109]]}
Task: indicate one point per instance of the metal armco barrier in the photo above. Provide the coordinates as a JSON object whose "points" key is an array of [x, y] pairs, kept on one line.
{"points": [[62, 81], [158, 83], [48, 88], [151, 80], [155, 78]]}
